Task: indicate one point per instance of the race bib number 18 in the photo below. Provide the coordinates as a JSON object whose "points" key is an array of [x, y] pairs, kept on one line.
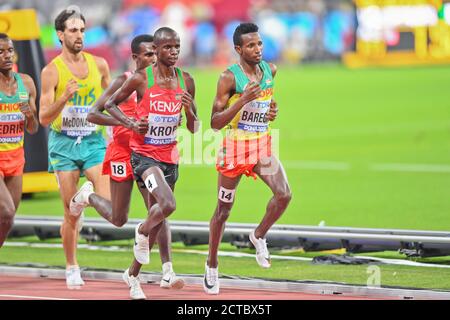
{"points": [[119, 169]]}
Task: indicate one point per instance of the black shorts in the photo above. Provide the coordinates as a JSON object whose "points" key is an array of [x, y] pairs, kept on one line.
{"points": [[140, 163]]}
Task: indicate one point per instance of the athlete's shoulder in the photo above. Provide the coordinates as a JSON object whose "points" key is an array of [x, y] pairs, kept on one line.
{"points": [[227, 78], [187, 76], [101, 63], [273, 68], [227, 75], [27, 80], [25, 77], [138, 77], [50, 70]]}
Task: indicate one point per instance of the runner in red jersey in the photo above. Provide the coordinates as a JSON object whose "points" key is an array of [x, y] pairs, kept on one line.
{"points": [[117, 163], [163, 91]]}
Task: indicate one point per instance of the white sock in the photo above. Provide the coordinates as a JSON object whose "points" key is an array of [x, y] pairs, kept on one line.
{"points": [[167, 267], [73, 267]]}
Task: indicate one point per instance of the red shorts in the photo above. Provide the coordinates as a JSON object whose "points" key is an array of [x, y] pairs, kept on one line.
{"points": [[237, 157], [117, 162], [12, 163]]}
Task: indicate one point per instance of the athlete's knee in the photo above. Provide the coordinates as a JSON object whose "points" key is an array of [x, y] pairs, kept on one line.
{"points": [[70, 221], [283, 196], [168, 206], [7, 216], [119, 221]]}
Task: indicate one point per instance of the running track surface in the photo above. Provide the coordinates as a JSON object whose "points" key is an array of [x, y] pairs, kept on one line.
{"points": [[32, 288]]}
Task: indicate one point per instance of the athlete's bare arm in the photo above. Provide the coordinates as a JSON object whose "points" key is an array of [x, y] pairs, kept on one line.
{"points": [[29, 108], [188, 101], [96, 114], [137, 82], [104, 71], [49, 108], [273, 111], [273, 68], [221, 116]]}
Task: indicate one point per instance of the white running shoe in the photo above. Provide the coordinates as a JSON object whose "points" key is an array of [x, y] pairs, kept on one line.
{"points": [[80, 200], [141, 247], [262, 254], [73, 278], [211, 280], [171, 281], [133, 283]]}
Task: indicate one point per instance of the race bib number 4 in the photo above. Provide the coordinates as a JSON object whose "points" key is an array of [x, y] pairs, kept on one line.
{"points": [[119, 169], [74, 121]]}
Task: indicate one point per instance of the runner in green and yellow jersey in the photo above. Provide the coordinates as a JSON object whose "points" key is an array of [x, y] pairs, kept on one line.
{"points": [[244, 106], [17, 113], [71, 83]]}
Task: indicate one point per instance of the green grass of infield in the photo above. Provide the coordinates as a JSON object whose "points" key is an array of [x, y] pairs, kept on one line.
{"points": [[188, 263], [328, 113]]}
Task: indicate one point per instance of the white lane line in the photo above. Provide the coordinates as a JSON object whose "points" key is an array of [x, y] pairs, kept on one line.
{"points": [[59, 245], [239, 254], [411, 167], [31, 297]]}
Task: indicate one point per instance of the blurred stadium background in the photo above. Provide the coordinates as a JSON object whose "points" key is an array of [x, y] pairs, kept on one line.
{"points": [[363, 95]]}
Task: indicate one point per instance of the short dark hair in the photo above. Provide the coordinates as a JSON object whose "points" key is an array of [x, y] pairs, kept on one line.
{"points": [[60, 21], [243, 28], [136, 42], [162, 32], [4, 36]]}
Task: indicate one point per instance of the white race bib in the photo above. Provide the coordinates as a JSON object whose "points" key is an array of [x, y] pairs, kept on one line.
{"points": [[74, 121], [162, 129], [253, 116], [119, 169]]}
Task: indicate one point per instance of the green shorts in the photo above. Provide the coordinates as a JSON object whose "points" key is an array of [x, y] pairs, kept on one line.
{"points": [[66, 154]]}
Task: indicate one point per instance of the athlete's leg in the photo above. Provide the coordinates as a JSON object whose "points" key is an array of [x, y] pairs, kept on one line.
{"points": [[165, 239], [100, 181], [101, 200], [121, 197], [271, 171], [165, 202], [116, 210], [226, 190], [8, 204], [149, 201], [68, 181]]}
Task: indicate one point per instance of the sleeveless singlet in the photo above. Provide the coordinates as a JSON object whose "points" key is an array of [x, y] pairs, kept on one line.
{"points": [[12, 120], [72, 120], [162, 108], [250, 122]]}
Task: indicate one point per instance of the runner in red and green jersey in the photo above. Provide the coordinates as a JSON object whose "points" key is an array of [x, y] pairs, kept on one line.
{"points": [[163, 91]]}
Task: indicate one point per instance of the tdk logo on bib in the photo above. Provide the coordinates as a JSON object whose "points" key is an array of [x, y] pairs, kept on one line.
{"points": [[164, 119], [6, 117], [78, 109]]}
